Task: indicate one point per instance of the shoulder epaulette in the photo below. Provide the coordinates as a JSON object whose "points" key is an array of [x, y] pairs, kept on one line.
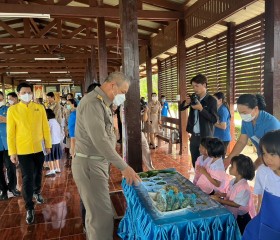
{"points": [[99, 97]]}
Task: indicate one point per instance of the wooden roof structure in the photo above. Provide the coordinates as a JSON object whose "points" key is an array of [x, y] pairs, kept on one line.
{"points": [[76, 28]]}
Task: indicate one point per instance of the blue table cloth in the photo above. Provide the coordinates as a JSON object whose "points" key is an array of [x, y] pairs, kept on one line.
{"points": [[143, 221]]}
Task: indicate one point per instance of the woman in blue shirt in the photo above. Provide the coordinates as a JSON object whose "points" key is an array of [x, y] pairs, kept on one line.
{"points": [[255, 124], [222, 126], [71, 106]]}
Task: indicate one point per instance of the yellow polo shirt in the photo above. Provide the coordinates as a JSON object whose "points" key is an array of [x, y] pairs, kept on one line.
{"points": [[27, 128]]}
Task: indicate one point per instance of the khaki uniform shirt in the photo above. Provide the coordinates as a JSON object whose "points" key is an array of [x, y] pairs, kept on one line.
{"points": [[57, 111], [94, 132]]}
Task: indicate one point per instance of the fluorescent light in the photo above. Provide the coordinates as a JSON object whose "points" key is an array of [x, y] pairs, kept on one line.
{"points": [[64, 80], [59, 72], [49, 59], [33, 80], [24, 15], [17, 73]]}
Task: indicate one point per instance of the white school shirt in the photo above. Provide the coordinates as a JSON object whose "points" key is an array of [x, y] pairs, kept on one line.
{"points": [[267, 180], [55, 131]]}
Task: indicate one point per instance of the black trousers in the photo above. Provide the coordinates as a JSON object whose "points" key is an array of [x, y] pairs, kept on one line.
{"points": [[3, 183], [194, 148], [242, 221], [31, 166], [11, 170], [119, 123]]}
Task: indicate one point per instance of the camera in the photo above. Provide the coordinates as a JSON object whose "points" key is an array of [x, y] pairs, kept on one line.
{"points": [[143, 106], [194, 99]]}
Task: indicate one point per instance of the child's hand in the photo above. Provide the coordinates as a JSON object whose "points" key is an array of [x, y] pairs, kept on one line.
{"points": [[201, 170], [215, 197]]}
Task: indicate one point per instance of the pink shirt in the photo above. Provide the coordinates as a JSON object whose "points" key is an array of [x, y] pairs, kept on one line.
{"points": [[241, 194], [216, 170], [202, 163]]}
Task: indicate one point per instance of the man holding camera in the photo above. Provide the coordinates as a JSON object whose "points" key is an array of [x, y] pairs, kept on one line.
{"points": [[202, 116]]}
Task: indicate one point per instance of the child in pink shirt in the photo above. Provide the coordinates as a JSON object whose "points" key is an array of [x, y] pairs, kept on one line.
{"points": [[213, 176], [203, 159], [239, 199]]}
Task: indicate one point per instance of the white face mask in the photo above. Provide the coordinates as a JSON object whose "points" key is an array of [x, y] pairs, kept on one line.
{"points": [[63, 101], [11, 102], [119, 99], [26, 97], [247, 117], [154, 99], [2, 103]]}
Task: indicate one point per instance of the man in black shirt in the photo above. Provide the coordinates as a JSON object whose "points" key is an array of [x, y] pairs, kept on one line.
{"points": [[202, 116]]}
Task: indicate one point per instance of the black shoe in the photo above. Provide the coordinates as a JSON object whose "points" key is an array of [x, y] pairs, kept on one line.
{"points": [[15, 192], [39, 198], [3, 196], [30, 216]]}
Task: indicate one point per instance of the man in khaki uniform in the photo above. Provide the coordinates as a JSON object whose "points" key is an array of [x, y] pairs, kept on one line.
{"points": [[95, 149], [54, 106]]}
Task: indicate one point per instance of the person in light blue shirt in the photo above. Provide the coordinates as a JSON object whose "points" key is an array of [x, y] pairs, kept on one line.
{"points": [[255, 124], [164, 107], [222, 126], [4, 158]]}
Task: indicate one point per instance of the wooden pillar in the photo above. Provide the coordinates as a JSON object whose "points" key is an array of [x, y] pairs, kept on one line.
{"points": [[130, 63], [13, 84], [231, 80], [102, 50], [93, 67], [181, 63], [149, 73], [272, 57], [3, 86]]}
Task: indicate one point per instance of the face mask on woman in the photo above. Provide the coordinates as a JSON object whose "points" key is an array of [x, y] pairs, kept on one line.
{"points": [[2, 103], [68, 107], [247, 117]]}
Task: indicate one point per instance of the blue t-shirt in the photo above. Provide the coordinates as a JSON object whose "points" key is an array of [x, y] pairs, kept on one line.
{"points": [[224, 116], [71, 124], [3, 129], [164, 110], [265, 123]]}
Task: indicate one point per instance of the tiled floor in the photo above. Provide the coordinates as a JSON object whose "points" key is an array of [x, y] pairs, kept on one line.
{"points": [[59, 217]]}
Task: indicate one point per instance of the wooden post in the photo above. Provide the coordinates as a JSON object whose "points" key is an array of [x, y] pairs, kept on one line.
{"points": [[93, 66], [3, 84], [149, 73], [272, 57], [181, 63], [231, 81], [102, 50], [130, 51]]}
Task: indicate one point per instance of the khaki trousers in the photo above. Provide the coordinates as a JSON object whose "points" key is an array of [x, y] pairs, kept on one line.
{"points": [[91, 177]]}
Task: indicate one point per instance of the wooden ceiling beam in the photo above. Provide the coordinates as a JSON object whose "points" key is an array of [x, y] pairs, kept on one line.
{"points": [[53, 41], [9, 29], [87, 12], [47, 28], [43, 64], [41, 70], [67, 56], [165, 4]]}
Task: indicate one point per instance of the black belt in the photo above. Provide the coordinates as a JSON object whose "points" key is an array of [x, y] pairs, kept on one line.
{"points": [[196, 134]]}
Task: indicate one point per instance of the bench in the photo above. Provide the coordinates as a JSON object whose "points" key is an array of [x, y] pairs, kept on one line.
{"points": [[170, 133]]}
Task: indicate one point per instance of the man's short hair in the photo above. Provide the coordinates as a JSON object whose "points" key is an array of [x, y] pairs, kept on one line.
{"points": [[92, 86], [12, 94], [50, 94], [200, 79], [118, 77], [23, 84]]}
